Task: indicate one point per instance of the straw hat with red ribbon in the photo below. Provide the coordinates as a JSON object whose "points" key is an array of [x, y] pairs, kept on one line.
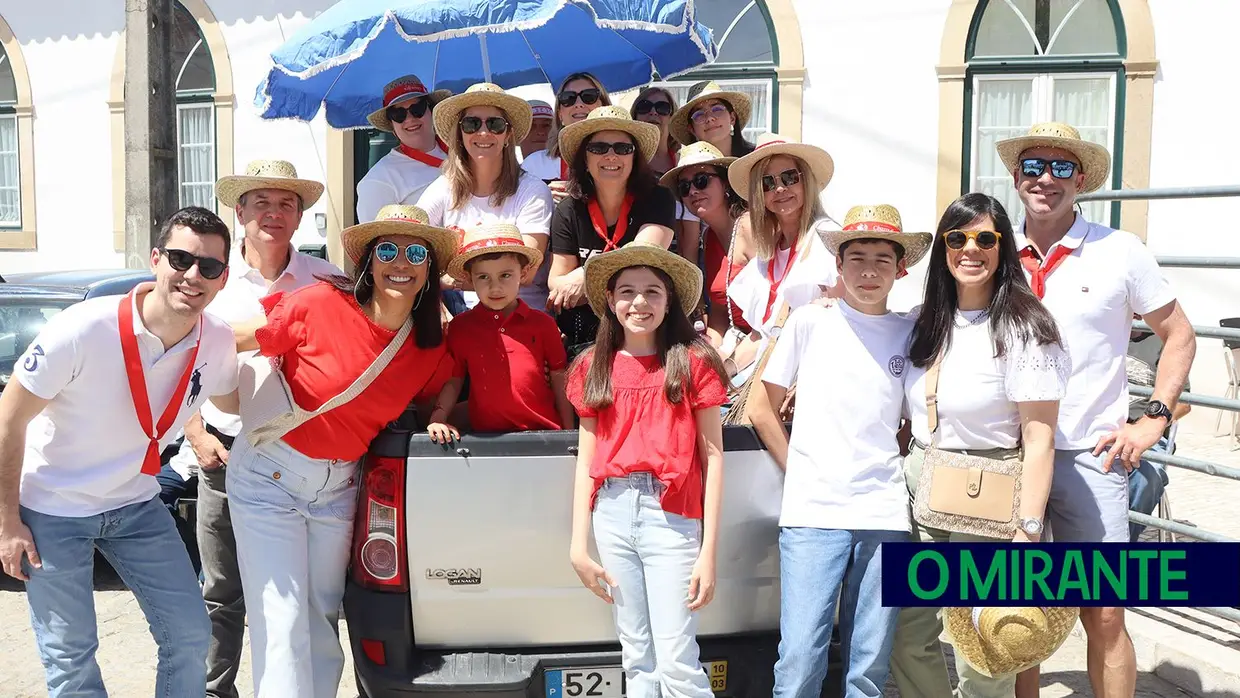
{"points": [[401, 90], [401, 219], [772, 144], [882, 222], [491, 239]]}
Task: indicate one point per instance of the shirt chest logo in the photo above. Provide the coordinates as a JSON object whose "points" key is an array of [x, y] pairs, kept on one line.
{"points": [[896, 365], [195, 385]]}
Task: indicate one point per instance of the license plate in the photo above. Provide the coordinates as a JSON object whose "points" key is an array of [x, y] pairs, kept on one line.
{"points": [[608, 681]]}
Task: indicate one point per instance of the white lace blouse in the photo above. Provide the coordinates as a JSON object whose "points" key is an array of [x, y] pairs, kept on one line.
{"points": [[978, 394]]}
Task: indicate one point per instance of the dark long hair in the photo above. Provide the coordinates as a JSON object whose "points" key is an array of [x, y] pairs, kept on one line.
{"points": [[427, 328], [1014, 311], [581, 185], [674, 339]]}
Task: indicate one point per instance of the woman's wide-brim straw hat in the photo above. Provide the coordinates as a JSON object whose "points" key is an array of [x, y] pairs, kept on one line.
{"points": [[685, 275], [1003, 641], [1095, 160], [882, 222], [267, 174], [401, 90], [483, 94], [741, 103], [401, 219], [609, 118], [772, 144], [693, 155], [491, 239]]}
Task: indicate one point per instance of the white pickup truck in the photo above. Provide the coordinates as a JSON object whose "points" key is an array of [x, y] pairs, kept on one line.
{"points": [[460, 583]]}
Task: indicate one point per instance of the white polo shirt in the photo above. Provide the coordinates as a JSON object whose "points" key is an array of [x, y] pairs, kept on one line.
{"points": [[844, 468], [395, 179], [84, 451], [1093, 294]]}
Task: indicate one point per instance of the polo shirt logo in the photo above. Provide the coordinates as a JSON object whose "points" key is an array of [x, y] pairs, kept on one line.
{"points": [[896, 366], [195, 385], [32, 359]]}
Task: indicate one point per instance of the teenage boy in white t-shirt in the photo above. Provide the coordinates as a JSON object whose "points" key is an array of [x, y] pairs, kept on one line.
{"points": [[104, 387], [844, 491]]}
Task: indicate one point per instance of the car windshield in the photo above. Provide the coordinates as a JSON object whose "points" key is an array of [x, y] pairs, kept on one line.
{"points": [[20, 322]]}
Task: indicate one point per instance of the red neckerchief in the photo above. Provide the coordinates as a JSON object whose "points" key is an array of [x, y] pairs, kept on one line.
{"points": [[563, 170], [775, 283], [421, 156], [137, 384], [1038, 271], [600, 223]]}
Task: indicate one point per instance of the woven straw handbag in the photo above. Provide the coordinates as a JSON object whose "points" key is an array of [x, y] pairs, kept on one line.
{"points": [[268, 410], [962, 493], [736, 411]]}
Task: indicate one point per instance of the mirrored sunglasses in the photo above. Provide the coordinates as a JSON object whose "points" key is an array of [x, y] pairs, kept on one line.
{"points": [[1060, 169], [568, 98], [787, 178], [418, 109], [699, 181], [985, 239], [601, 148], [209, 267], [495, 124], [645, 106], [416, 254]]}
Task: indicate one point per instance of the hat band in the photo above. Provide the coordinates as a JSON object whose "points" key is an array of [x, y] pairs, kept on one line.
{"points": [[763, 145], [402, 219], [486, 243], [873, 226], [542, 111], [417, 90]]}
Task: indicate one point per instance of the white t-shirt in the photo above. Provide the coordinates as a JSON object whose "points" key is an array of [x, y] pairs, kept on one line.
{"points": [[844, 467], [1093, 294], [542, 166], [529, 209], [813, 272], [978, 393], [84, 451], [395, 179]]}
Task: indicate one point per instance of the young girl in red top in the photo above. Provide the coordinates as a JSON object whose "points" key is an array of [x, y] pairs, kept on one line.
{"points": [[646, 392]]}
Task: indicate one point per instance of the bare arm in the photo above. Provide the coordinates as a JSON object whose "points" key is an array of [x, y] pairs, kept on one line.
{"points": [[18, 406], [689, 240], [537, 240], [244, 332], [658, 234], [209, 450], [440, 430], [587, 569], [559, 388], [710, 438], [763, 413], [566, 281], [1037, 426], [229, 403]]}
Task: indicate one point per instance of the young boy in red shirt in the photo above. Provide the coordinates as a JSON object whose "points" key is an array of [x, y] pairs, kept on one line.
{"points": [[505, 347]]}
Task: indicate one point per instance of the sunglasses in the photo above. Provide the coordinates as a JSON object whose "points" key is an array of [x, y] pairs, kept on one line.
{"points": [[568, 98], [645, 106], [601, 148], [418, 109], [495, 124], [703, 114], [985, 239], [1060, 169], [787, 178], [699, 181], [209, 267], [386, 252]]}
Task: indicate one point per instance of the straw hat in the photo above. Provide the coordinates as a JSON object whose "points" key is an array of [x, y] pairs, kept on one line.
{"points": [[609, 118], [401, 90], [267, 174], [449, 111], [1095, 160], [401, 219], [878, 221], [771, 144], [1003, 641], [692, 155], [685, 275], [741, 104], [541, 110], [490, 239]]}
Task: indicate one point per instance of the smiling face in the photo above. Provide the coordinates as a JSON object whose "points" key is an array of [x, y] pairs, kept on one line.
{"points": [[657, 98], [497, 280], [399, 278], [639, 299], [784, 200], [579, 109], [483, 143], [702, 201], [712, 120], [869, 269], [416, 132], [188, 292], [609, 167], [270, 216], [1046, 197], [972, 266]]}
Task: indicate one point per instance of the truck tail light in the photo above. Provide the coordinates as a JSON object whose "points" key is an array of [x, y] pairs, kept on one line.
{"points": [[379, 551]]}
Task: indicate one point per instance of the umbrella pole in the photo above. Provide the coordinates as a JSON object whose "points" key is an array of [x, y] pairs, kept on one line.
{"points": [[486, 58]]}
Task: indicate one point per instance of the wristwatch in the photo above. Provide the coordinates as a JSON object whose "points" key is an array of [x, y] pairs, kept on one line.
{"points": [[1157, 409], [1032, 527]]}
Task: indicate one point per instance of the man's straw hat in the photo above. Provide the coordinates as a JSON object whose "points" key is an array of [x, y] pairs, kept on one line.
{"points": [[401, 219], [1003, 641], [685, 275], [401, 90], [609, 118], [1094, 159], [692, 155], [491, 239], [267, 174], [448, 112], [772, 144], [740, 102], [879, 221]]}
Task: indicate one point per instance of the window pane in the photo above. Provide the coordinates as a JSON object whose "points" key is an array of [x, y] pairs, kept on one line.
{"points": [[196, 145], [1002, 31], [1085, 103], [749, 41], [10, 180], [1090, 29], [8, 86], [1072, 27], [1004, 110], [190, 56]]}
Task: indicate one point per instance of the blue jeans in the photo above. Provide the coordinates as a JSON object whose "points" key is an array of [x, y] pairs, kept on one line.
{"points": [[142, 545], [172, 489], [814, 564], [1145, 487]]}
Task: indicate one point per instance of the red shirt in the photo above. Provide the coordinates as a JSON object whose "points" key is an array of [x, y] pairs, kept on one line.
{"points": [[643, 432], [719, 272], [326, 342], [507, 360]]}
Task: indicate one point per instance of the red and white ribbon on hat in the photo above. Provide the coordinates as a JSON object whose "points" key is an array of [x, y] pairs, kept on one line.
{"points": [[416, 89], [486, 243], [541, 111], [873, 226]]}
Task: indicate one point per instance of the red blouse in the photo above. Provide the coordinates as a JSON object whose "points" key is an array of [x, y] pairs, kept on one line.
{"points": [[719, 272], [326, 342], [643, 432]]}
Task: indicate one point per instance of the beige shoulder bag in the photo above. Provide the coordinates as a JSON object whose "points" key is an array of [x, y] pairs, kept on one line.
{"points": [[736, 411]]}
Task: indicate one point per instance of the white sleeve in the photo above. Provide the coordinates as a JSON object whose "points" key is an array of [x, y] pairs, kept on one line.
{"points": [[1148, 289], [372, 195], [785, 359], [229, 371], [534, 216], [434, 200], [52, 360], [1035, 372]]}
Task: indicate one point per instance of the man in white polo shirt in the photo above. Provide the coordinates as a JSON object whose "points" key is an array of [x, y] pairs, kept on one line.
{"points": [[1093, 279], [106, 384], [269, 201]]}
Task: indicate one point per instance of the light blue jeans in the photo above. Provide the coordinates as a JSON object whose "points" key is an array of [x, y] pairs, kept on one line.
{"points": [[1145, 487], [814, 564], [142, 544], [293, 520], [650, 554]]}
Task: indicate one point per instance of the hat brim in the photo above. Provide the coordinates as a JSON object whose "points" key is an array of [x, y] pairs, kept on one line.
{"points": [[379, 120], [229, 189], [685, 275], [669, 178], [993, 662], [1095, 159], [742, 106], [448, 112], [645, 134], [915, 245], [456, 268], [444, 243], [819, 161]]}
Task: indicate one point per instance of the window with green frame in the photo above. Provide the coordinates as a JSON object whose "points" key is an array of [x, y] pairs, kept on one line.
{"points": [[1042, 60], [195, 87], [10, 162]]}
